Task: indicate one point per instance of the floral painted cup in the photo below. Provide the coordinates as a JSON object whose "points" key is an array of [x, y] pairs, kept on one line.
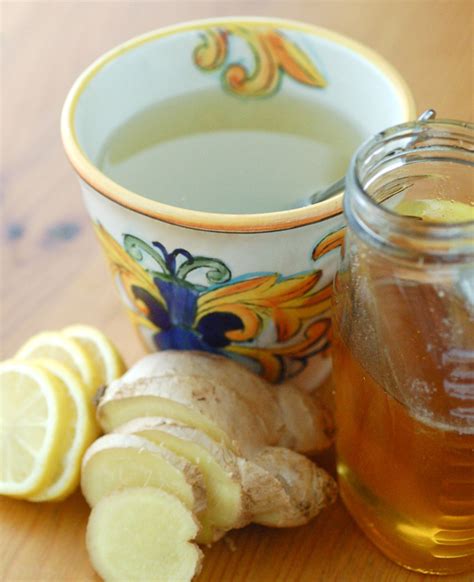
{"points": [[253, 287]]}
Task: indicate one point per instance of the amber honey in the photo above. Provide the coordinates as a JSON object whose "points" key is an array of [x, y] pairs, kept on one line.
{"points": [[407, 480]]}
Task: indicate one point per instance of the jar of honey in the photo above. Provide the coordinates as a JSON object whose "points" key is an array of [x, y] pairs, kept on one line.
{"points": [[404, 345]]}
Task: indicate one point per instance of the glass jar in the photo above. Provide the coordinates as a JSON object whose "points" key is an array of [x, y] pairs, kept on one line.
{"points": [[404, 347]]}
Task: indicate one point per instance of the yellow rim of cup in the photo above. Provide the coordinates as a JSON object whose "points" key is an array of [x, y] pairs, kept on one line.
{"points": [[242, 223]]}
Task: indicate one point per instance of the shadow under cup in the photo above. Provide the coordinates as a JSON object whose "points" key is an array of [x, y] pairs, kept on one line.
{"points": [[252, 286]]}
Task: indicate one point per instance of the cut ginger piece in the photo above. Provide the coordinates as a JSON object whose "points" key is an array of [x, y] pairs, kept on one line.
{"points": [[118, 461], [220, 405], [255, 391], [143, 535], [136, 401], [225, 503]]}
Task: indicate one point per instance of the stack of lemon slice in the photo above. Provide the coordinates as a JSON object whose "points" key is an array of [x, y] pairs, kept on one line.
{"points": [[47, 417]]}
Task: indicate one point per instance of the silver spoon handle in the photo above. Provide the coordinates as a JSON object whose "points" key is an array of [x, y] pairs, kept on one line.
{"points": [[338, 187]]}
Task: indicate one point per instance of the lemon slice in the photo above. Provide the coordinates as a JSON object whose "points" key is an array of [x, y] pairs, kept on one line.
{"points": [[33, 417], [436, 210], [56, 346], [107, 361], [81, 431]]}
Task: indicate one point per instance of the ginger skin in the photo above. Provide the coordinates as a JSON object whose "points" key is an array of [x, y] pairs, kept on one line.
{"points": [[286, 489]]}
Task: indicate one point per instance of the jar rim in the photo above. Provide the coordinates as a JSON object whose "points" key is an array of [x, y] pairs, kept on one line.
{"points": [[370, 211]]}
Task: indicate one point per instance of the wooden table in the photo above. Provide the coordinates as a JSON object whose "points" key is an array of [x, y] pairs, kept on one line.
{"points": [[52, 273]]}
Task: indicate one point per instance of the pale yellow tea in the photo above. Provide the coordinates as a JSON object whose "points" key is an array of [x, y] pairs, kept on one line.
{"points": [[214, 152]]}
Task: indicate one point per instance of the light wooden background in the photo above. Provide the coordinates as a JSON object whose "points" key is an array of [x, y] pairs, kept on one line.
{"points": [[52, 273]]}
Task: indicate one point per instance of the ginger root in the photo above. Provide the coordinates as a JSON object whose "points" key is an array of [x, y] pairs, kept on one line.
{"points": [[214, 402], [194, 412], [224, 397], [277, 487]]}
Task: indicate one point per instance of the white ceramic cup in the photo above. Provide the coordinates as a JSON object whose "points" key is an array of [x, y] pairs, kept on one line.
{"points": [[254, 287]]}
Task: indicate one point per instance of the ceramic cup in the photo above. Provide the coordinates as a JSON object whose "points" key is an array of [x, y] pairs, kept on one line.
{"points": [[253, 287]]}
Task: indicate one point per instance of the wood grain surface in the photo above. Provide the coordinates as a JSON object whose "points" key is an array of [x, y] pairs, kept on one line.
{"points": [[52, 273]]}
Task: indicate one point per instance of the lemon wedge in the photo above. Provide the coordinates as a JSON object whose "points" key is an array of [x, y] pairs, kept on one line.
{"points": [[101, 351], [432, 210], [81, 431], [33, 416], [56, 346]]}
